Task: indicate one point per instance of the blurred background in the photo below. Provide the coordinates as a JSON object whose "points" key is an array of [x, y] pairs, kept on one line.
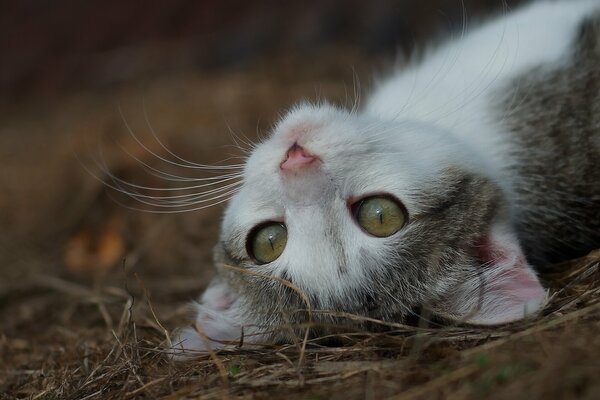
{"points": [[51, 47], [85, 85], [78, 79]]}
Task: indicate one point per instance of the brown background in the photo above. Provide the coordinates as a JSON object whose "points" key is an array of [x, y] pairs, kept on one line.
{"points": [[74, 75]]}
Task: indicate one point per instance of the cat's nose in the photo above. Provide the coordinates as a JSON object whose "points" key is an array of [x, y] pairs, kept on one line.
{"points": [[296, 157]]}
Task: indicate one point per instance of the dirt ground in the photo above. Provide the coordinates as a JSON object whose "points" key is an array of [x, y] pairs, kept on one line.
{"points": [[91, 289]]}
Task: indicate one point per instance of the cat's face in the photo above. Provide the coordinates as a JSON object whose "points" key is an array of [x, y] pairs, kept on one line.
{"points": [[372, 218]]}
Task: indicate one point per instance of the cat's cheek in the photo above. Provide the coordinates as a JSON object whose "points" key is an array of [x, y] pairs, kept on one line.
{"points": [[503, 287]]}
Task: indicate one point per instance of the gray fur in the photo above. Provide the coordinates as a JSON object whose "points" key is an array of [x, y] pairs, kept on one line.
{"points": [[554, 116]]}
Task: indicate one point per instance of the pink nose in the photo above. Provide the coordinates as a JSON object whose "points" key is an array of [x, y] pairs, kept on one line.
{"points": [[296, 158]]}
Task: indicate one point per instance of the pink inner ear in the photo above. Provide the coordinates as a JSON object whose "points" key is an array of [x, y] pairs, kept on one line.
{"points": [[505, 290], [520, 281], [513, 274]]}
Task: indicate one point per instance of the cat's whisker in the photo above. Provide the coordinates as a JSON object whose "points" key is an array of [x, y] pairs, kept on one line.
{"points": [[130, 189], [124, 184], [188, 197], [212, 181], [127, 188], [187, 164], [181, 211], [157, 201], [166, 175], [174, 178], [200, 198], [240, 138], [356, 81], [145, 198]]}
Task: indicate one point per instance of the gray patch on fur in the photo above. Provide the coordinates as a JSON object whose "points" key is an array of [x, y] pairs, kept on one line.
{"points": [[554, 116]]}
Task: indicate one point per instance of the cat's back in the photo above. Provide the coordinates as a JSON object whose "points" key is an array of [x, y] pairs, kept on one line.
{"points": [[552, 115]]}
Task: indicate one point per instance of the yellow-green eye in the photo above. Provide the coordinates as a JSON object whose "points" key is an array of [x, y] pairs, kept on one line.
{"points": [[380, 216], [266, 242]]}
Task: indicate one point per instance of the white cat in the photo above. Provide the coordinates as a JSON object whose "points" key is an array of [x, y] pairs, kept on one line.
{"points": [[457, 175]]}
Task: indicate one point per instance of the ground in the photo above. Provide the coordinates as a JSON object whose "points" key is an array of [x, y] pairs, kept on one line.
{"points": [[91, 291]]}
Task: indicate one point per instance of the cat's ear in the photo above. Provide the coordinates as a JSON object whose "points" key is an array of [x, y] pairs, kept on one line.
{"points": [[218, 324], [503, 288]]}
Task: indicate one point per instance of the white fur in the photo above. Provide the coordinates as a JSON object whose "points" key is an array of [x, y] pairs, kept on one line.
{"points": [[218, 324]]}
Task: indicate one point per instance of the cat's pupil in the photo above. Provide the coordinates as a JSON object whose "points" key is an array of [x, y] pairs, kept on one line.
{"points": [[379, 216], [266, 242]]}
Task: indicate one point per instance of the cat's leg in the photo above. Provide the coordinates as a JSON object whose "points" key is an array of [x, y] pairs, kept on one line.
{"points": [[219, 323], [502, 287]]}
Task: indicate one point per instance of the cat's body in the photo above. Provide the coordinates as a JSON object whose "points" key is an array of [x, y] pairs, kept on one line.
{"points": [[486, 148]]}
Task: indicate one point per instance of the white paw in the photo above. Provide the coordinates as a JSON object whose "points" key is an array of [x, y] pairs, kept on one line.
{"points": [[218, 325]]}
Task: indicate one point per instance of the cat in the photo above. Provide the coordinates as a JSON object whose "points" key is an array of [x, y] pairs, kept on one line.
{"points": [[464, 170]]}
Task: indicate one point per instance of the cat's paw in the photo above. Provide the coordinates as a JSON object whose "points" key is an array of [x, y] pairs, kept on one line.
{"points": [[218, 324], [206, 334]]}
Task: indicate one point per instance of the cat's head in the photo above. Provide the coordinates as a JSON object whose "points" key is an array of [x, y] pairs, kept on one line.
{"points": [[371, 217]]}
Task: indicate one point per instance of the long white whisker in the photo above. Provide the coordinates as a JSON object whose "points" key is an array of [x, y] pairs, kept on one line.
{"points": [[190, 164], [211, 181], [171, 177], [119, 183], [195, 198], [142, 199], [170, 211], [240, 138], [194, 166]]}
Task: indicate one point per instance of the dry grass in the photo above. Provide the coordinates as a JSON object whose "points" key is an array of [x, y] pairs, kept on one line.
{"points": [[65, 336], [125, 358]]}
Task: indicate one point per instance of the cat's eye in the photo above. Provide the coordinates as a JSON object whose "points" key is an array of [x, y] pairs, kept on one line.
{"points": [[266, 242], [379, 216]]}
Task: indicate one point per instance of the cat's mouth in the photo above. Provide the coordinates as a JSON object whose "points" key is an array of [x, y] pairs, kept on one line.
{"points": [[296, 158]]}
